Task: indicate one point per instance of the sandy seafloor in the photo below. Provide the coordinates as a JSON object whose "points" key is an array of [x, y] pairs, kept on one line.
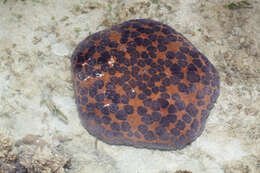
{"points": [[37, 38]]}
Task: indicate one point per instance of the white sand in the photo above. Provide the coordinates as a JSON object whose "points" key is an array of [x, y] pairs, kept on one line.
{"points": [[37, 38]]}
